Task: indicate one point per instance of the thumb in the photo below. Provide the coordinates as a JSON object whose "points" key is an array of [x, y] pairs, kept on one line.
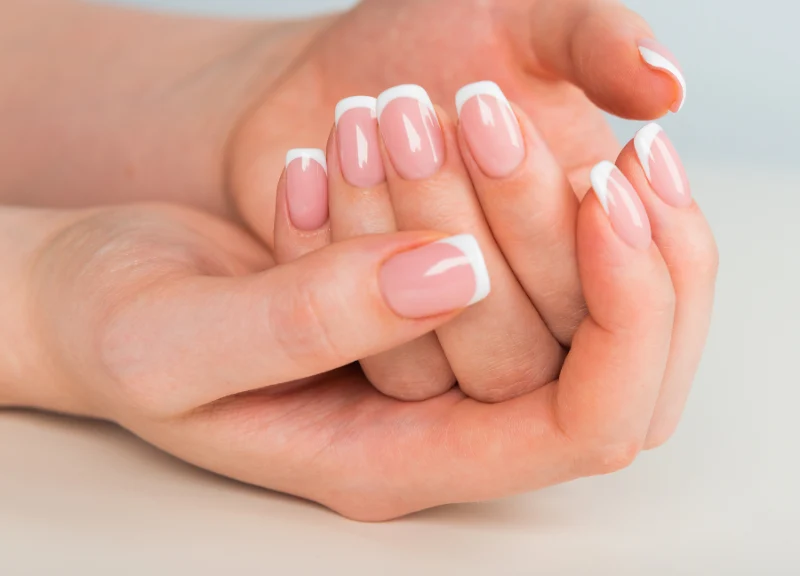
{"points": [[206, 338], [608, 51]]}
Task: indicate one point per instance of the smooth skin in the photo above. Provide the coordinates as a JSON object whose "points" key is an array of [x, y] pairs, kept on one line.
{"points": [[112, 280], [525, 223], [202, 111], [206, 109], [120, 292]]}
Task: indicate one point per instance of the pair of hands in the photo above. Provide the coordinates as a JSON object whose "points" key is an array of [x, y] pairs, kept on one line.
{"points": [[182, 328]]}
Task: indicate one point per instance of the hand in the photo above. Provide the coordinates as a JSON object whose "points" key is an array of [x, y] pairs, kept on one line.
{"points": [[410, 175], [154, 318], [563, 61], [205, 114], [492, 175]]}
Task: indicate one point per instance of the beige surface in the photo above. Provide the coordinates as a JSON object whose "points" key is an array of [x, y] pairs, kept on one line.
{"points": [[86, 498]]}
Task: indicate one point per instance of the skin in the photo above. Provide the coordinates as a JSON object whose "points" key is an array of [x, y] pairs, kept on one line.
{"points": [[112, 283], [526, 225], [244, 401], [262, 87]]}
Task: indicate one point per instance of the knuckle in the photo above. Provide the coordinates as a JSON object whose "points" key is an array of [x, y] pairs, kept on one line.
{"points": [[703, 258], [659, 436], [302, 327], [613, 457], [140, 383], [413, 388], [369, 509], [660, 300], [506, 381]]}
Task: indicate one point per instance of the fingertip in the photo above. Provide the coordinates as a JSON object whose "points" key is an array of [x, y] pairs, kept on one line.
{"points": [[659, 58], [622, 69]]}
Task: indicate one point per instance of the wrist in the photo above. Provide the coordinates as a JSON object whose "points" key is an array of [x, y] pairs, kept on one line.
{"points": [[26, 375]]}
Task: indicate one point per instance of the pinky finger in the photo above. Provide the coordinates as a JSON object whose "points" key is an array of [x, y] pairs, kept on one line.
{"points": [[686, 242], [301, 215]]}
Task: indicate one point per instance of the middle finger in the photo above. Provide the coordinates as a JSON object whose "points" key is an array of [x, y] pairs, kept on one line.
{"points": [[500, 348]]}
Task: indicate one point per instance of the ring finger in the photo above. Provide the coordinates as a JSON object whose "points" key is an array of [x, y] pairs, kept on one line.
{"points": [[359, 205], [500, 348]]}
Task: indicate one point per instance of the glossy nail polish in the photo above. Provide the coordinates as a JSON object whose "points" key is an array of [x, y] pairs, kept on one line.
{"points": [[436, 279], [358, 142], [411, 132], [622, 204], [663, 166], [658, 57], [490, 128], [307, 188]]}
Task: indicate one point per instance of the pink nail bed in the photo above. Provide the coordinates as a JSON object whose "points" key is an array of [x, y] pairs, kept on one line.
{"points": [[490, 128], [658, 57], [622, 204], [411, 132], [358, 142], [435, 279], [662, 166], [307, 188]]}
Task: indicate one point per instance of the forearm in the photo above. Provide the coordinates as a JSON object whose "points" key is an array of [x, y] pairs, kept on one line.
{"points": [[102, 105]]}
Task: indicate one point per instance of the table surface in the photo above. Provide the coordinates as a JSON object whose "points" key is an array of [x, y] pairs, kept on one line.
{"points": [[85, 498]]}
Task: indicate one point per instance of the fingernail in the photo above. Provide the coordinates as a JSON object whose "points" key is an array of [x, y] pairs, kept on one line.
{"points": [[436, 279], [658, 57], [663, 166], [307, 188], [411, 131], [490, 128], [622, 204], [357, 136]]}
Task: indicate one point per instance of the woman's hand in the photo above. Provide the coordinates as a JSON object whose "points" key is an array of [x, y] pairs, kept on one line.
{"points": [[102, 105], [162, 310], [400, 163], [158, 318], [563, 61]]}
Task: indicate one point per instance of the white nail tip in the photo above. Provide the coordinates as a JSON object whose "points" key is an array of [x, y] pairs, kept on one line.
{"points": [[469, 246], [643, 143], [656, 60], [405, 91], [306, 155], [599, 177], [477, 89], [356, 102]]}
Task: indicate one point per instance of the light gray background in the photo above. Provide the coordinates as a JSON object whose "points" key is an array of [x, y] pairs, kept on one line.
{"points": [[740, 57], [721, 498]]}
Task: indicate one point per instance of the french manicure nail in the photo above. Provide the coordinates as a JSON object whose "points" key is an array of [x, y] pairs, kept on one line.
{"points": [[357, 137], [622, 204], [307, 188], [663, 166], [435, 279], [657, 56], [491, 128], [411, 131]]}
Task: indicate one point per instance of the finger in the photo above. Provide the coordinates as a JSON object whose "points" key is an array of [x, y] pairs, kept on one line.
{"points": [[501, 348], [609, 52], [626, 338], [687, 245], [451, 449], [347, 301], [360, 205], [301, 213], [528, 202]]}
